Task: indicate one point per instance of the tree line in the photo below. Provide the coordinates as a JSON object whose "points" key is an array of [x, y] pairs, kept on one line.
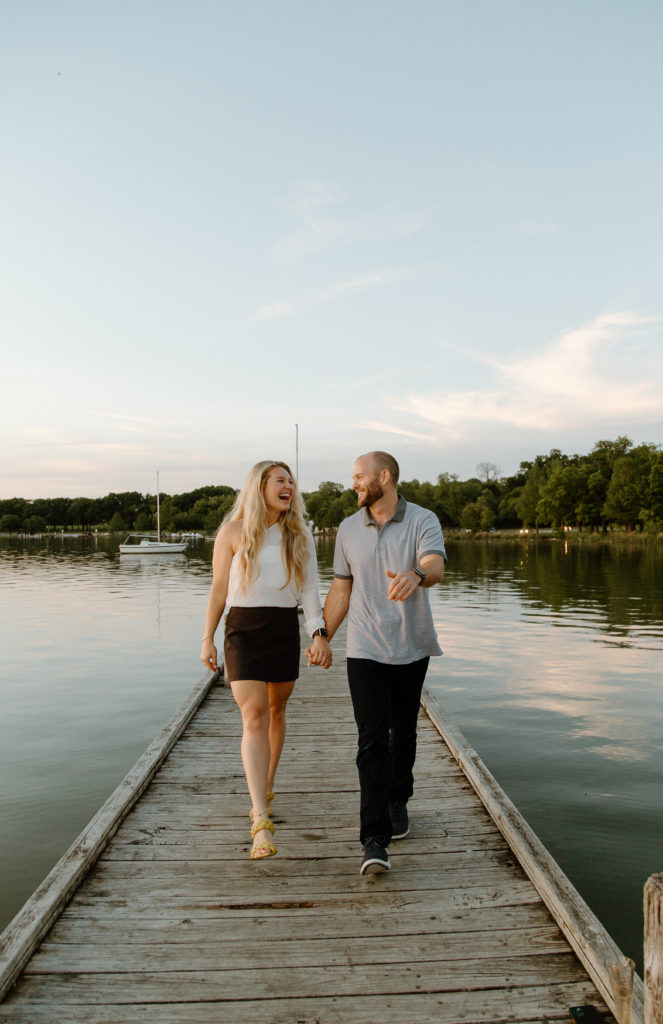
{"points": [[201, 509], [617, 484]]}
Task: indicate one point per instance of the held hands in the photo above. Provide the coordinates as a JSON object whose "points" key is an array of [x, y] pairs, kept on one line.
{"points": [[208, 655], [402, 586], [319, 652]]}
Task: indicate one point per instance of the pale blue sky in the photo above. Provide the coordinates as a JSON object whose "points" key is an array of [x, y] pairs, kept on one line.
{"points": [[431, 227]]}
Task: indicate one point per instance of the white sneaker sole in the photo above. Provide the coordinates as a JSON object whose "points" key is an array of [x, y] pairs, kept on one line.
{"points": [[374, 867]]}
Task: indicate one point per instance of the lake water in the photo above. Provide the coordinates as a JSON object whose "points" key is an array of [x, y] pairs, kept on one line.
{"points": [[552, 669]]}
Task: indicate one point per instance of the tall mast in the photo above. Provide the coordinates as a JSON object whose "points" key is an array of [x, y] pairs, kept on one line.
{"points": [[297, 453], [158, 519]]}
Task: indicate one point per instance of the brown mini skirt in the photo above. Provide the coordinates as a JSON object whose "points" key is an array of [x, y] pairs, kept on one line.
{"points": [[261, 643]]}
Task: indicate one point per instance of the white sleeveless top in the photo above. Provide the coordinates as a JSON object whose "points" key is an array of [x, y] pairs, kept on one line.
{"points": [[267, 589]]}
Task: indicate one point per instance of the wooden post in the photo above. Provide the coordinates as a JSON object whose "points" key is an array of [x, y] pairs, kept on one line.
{"points": [[654, 950]]}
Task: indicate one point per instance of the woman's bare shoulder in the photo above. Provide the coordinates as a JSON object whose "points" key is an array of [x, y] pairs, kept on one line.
{"points": [[228, 535]]}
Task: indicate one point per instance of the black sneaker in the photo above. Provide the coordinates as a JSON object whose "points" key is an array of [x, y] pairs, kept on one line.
{"points": [[375, 858], [400, 825]]}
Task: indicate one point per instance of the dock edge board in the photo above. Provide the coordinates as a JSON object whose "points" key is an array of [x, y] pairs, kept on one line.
{"points": [[37, 916], [587, 936]]}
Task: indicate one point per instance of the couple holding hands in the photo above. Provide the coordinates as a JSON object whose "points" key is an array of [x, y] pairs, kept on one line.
{"points": [[386, 556]]}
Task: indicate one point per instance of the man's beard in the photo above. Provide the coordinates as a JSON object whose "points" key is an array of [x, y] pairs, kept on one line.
{"points": [[373, 493]]}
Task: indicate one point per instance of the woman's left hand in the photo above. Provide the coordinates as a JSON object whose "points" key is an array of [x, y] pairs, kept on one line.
{"points": [[319, 652]]}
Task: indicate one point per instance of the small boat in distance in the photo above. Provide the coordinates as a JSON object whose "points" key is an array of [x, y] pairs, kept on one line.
{"points": [[148, 543]]}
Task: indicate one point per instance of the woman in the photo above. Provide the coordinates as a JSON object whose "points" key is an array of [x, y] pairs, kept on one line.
{"points": [[264, 563]]}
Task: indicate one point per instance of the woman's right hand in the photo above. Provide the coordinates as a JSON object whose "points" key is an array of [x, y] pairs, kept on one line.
{"points": [[208, 655]]}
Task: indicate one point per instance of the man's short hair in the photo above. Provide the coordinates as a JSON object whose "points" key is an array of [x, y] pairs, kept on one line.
{"points": [[383, 460]]}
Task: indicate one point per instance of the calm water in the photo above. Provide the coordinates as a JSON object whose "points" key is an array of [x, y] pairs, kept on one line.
{"points": [[551, 669]]}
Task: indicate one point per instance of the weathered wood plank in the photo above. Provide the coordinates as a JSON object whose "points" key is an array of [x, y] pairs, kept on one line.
{"points": [[236, 953], [229, 927], [228, 849], [515, 1005], [436, 866], [348, 979]]}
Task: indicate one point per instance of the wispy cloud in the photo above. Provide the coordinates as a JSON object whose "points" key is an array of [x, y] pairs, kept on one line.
{"points": [[139, 426], [335, 291], [572, 383], [275, 311], [350, 286], [389, 428], [145, 420], [325, 221]]}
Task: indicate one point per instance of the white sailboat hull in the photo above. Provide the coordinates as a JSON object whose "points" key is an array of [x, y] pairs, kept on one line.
{"points": [[153, 547]]}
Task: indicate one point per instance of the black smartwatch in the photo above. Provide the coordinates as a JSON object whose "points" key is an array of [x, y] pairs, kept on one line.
{"points": [[420, 573], [320, 632]]}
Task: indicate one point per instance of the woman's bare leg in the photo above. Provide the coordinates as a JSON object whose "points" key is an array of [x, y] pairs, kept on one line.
{"points": [[252, 698], [278, 698]]}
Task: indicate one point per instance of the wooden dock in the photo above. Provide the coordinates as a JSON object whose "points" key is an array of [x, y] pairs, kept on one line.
{"points": [[173, 923]]}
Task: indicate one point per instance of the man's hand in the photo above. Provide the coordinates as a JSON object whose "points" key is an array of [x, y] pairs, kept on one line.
{"points": [[403, 585], [319, 652]]}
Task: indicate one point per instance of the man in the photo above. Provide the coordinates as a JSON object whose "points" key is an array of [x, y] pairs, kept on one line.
{"points": [[387, 555]]}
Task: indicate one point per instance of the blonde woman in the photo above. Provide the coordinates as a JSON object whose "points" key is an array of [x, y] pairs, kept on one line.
{"points": [[264, 563]]}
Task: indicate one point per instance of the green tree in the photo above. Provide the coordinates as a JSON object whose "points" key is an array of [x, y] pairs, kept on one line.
{"points": [[325, 507], [628, 495], [117, 523], [10, 523], [655, 517], [212, 508], [81, 513], [452, 495], [35, 524], [560, 494], [527, 502], [15, 507], [487, 505], [470, 516]]}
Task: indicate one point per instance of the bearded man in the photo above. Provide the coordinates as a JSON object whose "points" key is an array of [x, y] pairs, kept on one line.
{"points": [[386, 557]]}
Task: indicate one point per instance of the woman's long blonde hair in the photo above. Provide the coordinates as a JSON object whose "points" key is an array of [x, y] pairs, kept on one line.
{"points": [[251, 509]]}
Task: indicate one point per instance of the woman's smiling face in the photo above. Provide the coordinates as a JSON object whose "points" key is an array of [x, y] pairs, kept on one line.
{"points": [[278, 491]]}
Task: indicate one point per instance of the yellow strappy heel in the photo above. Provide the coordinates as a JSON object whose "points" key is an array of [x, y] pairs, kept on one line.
{"points": [[266, 847]]}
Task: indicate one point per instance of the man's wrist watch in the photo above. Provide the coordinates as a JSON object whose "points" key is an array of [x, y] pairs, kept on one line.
{"points": [[420, 573], [320, 632]]}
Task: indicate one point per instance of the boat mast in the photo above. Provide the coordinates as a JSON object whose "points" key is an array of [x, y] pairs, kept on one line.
{"points": [[158, 519], [297, 453]]}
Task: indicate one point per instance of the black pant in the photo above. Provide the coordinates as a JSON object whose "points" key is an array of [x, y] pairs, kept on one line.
{"points": [[386, 706]]}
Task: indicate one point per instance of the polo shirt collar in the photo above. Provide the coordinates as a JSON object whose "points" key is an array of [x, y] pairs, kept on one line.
{"points": [[398, 516]]}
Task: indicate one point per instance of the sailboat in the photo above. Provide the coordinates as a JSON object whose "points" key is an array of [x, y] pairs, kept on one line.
{"points": [[147, 544]]}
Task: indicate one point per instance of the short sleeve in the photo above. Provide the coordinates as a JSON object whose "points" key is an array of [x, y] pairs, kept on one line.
{"points": [[341, 564], [430, 539]]}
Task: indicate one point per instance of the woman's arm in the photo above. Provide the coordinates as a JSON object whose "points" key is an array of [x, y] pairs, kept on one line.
{"points": [[310, 595], [319, 652], [225, 546]]}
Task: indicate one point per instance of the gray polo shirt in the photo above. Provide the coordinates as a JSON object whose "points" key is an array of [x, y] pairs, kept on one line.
{"points": [[391, 632]]}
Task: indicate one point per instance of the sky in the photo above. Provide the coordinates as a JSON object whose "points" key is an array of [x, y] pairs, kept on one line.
{"points": [[233, 230]]}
